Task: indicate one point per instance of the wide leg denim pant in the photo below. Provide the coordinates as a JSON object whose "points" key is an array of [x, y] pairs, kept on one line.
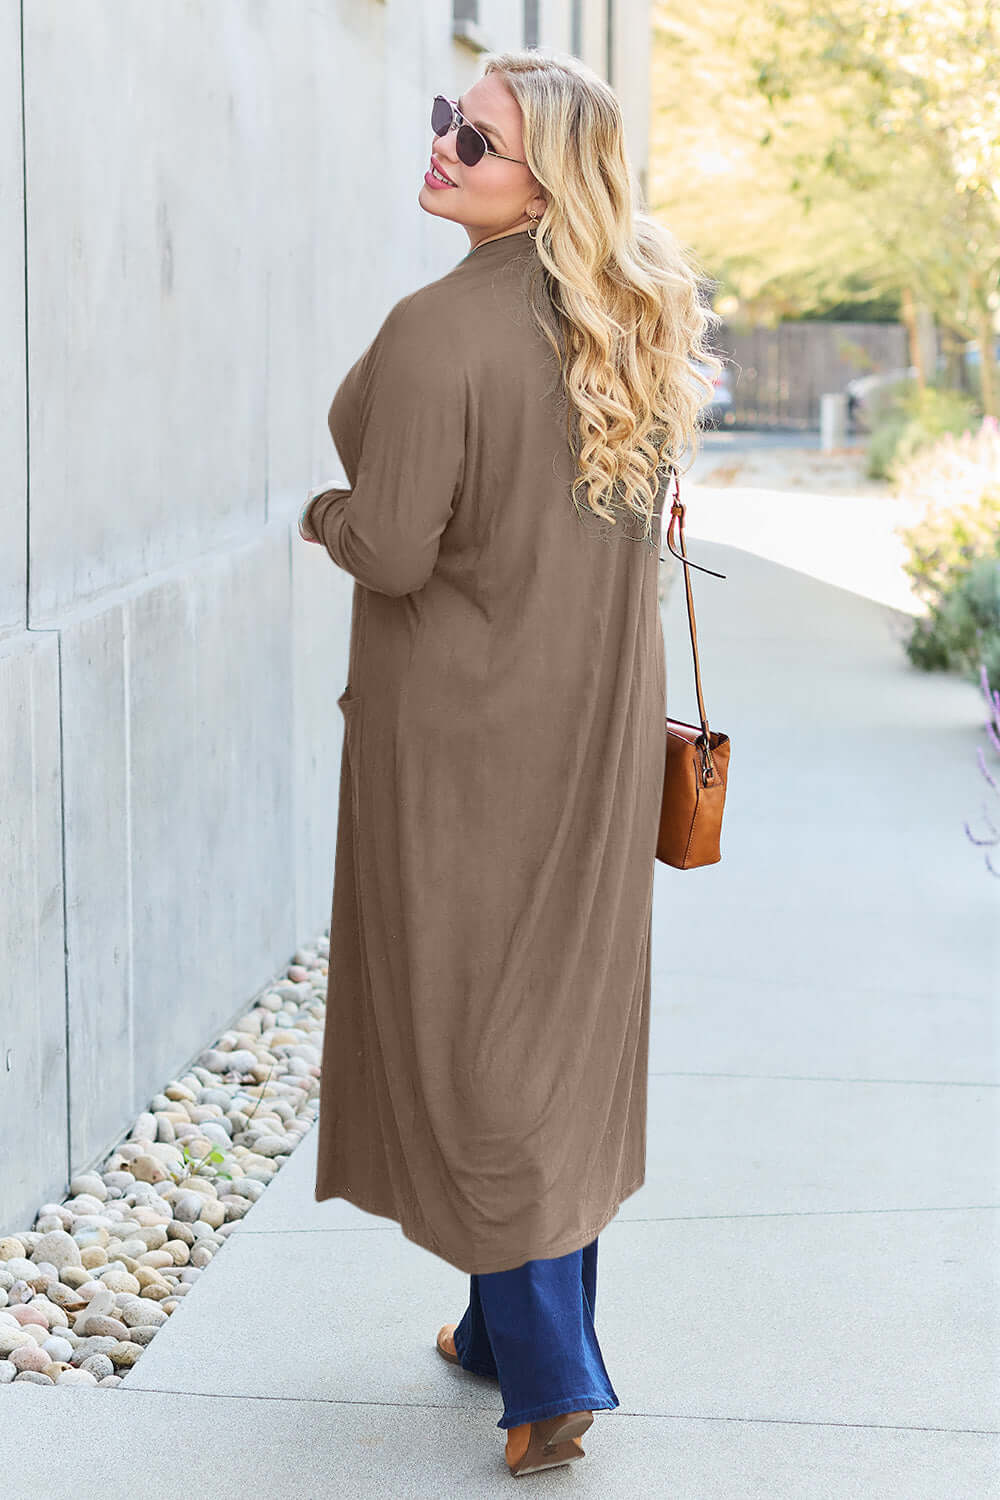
{"points": [[532, 1329]]}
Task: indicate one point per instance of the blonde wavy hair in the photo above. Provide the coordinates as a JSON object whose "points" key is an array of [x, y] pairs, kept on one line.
{"points": [[615, 294]]}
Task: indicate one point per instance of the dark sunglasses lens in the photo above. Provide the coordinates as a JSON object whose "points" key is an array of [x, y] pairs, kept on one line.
{"points": [[468, 142], [469, 145]]}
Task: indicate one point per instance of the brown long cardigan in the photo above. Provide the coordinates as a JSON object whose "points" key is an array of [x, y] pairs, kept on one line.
{"points": [[486, 1047]]}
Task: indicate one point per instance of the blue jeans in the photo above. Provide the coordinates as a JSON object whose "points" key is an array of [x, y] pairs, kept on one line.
{"points": [[532, 1330]]}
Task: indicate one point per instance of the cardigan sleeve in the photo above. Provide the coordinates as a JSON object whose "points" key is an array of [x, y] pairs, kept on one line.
{"points": [[386, 529]]}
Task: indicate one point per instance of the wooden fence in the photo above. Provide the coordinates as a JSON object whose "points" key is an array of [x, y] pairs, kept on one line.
{"points": [[777, 375]]}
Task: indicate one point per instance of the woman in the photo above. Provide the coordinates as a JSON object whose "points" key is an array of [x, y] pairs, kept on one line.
{"points": [[485, 1054]]}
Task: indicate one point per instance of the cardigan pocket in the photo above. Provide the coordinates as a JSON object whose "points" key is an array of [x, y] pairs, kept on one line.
{"points": [[350, 707], [351, 787]]}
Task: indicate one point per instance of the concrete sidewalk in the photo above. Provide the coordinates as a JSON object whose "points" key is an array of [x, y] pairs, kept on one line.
{"points": [[803, 1301]]}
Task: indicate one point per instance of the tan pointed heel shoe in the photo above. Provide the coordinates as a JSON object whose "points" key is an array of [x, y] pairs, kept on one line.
{"points": [[546, 1443], [446, 1343]]}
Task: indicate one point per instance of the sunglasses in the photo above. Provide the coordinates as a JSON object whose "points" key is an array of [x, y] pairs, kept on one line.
{"points": [[470, 144]]}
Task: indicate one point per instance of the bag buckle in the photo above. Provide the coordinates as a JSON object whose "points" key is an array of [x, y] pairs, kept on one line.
{"points": [[708, 772]]}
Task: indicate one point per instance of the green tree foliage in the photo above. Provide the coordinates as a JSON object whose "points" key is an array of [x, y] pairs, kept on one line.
{"points": [[812, 147]]}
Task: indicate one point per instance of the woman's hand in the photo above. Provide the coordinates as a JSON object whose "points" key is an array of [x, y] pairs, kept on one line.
{"points": [[304, 532]]}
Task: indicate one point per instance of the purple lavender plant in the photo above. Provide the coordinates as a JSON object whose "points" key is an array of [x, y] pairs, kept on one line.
{"points": [[992, 697]]}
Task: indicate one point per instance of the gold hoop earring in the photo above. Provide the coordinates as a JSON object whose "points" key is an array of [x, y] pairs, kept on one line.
{"points": [[537, 221]]}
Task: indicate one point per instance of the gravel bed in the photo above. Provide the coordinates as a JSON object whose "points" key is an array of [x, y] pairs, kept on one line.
{"points": [[85, 1290]]}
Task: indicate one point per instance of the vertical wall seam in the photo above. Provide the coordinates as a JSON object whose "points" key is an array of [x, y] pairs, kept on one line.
{"points": [[65, 911], [129, 934], [36, 907], [267, 393], [24, 247], [295, 731], [27, 619], [609, 42]]}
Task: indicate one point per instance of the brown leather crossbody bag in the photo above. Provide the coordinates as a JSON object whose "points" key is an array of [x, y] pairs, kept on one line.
{"points": [[697, 758]]}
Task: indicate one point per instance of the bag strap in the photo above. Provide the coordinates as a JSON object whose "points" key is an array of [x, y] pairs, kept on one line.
{"points": [[677, 511]]}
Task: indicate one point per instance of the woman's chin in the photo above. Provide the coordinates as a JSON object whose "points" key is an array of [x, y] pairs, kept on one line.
{"points": [[430, 199]]}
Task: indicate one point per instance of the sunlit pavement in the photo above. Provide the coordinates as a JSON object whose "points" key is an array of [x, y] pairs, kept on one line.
{"points": [[841, 534], [821, 1205]]}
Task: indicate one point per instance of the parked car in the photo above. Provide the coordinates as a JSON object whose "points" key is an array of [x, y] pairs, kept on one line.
{"points": [[864, 392], [972, 354], [718, 410], [972, 357]]}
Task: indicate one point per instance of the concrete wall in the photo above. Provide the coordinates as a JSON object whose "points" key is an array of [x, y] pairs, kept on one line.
{"points": [[190, 258]]}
